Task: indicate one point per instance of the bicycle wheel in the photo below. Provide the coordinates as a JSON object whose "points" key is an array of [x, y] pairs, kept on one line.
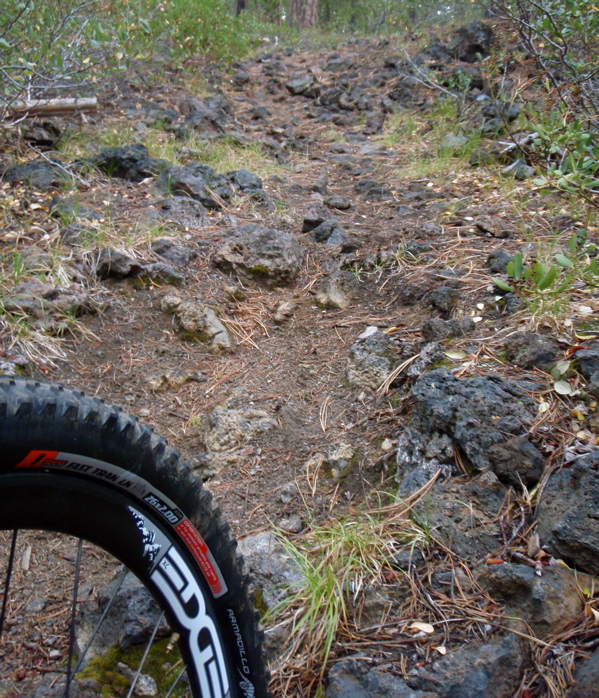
{"points": [[72, 464]]}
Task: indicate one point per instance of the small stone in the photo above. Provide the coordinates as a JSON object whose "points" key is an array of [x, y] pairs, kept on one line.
{"points": [[445, 298], [337, 290], [517, 462], [519, 170], [234, 293], [285, 311], [339, 202], [293, 524], [173, 379], [498, 260]]}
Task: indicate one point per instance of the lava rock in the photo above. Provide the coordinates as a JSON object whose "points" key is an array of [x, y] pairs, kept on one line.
{"points": [[586, 676], [436, 330], [337, 290], [304, 85], [371, 359], [496, 226], [61, 208], [498, 260], [445, 298], [247, 183], [568, 520], [588, 362], [351, 678], [116, 265], [339, 202], [471, 41], [132, 162], [474, 412], [40, 174], [183, 211], [528, 350], [546, 603], [372, 190], [261, 254], [517, 462], [177, 254], [194, 180], [199, 322]]}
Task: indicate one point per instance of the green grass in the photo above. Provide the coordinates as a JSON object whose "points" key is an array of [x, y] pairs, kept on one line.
{"points": [[337, 560]]}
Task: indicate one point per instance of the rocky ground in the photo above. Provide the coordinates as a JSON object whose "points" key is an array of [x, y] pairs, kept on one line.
{"points": [[317, 329]]}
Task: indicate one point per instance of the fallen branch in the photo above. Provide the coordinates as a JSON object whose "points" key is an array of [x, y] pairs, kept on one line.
{"points": [[53, 107]]}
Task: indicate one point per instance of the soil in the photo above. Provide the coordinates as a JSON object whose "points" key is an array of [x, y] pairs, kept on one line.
{"points": [[294, 371]]}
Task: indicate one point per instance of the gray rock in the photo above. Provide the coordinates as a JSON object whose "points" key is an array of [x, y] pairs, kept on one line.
{"points": [[304, 85], [445, 298], [173, 379], [199, 322], [593, 386], [528, 350], [371, 359], [183, 211], [145, 685], [337, 290], [471, 41], [588, 362], [351, 678], [493, 670], [341, 203], [285, 311], [61, 208], [436, 330], [173, 252], [208, 117], [498, 260], [162, 273], [372, 190], [519, 170], [474, 412], [44, 302], [198, 181], [132, 162], [568, 521], [130, 621], [545, 603], [116, 265], [247, 183], [517, 462], [415, 465], [430, 354], [453, 142], [496, 226], [261, 254], [314, 217], [273, 570], [587, 678], [231, 428], [39, 174]]}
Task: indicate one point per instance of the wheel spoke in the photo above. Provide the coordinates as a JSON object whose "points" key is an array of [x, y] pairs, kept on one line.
{"points": [[70, 672], [100, 622], [144, 656], [179, 677], [11, 560]]}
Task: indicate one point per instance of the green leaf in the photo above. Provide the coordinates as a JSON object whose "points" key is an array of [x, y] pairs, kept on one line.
{"points": [[509, 270], [4, 43], [517, 259], [563, 261], [503, 285], [548, 278], [527, 273], [565, 283]]}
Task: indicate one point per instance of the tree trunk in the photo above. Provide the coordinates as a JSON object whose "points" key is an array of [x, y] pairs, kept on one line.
{"points": [[241, 5], [303, 13]]}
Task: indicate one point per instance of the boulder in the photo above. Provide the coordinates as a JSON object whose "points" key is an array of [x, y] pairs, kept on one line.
{"points": [[529, 350], [40, 174], [132, 162], [493, 670], [198, 181], [475, 412], [261, 254], [568, 513]]}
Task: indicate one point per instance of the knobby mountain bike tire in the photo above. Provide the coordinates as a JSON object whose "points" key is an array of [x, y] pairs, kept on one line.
{"points": [[73, 464]]}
